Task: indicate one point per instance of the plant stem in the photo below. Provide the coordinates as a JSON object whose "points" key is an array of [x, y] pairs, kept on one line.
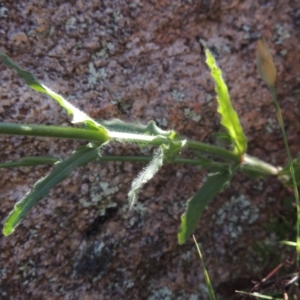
{"points": [[213, 150], [249, 163], [51, 131], [93, 135], [280, 120]]}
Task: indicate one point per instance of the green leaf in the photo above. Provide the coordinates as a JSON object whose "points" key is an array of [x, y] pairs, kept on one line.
{"points": [[80, 157], [30, 161], [285, 173], [196, 205], [145, 175], [211, 293], [229, 117], [78, 115]]}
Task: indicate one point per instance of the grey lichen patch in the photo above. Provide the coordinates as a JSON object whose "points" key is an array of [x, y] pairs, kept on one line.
{"points": [[161, 294], [186, 256], [93, 261], [166, 294], [259, 186], [28, 271], [121, 103], [129, 283], [95, 74], [107, 48], [217, 46], [260, 250], [271, 125], [208, 99], [190, 114], [233, 213], [178, 96], [71, 23], [134, 215], [3, 12], [250, 34], [280, 34], [162, 121], [203, 291], [100, 196]]}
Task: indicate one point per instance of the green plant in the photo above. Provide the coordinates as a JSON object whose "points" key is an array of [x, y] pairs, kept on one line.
{"points": [[210, 289], [170, 147]]}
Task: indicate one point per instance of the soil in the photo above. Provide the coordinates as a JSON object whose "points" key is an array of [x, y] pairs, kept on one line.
{"points": [[140, 61]]}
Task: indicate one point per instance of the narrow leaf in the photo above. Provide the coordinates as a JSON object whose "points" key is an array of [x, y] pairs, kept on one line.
{"points": [[30, 161], [80, 157], [145, 175], [196, 205], [258, 295], [206, 275], [229, 117], [78, 115]]}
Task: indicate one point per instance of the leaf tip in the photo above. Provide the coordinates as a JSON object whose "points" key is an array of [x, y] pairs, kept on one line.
{"points": [[7, 230]]}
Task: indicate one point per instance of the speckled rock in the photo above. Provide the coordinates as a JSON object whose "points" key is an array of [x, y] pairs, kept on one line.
{"points": [[141, 60]]}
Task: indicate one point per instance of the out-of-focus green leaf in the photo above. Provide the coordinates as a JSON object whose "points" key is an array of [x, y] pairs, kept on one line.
{"points": [[196, 205], [145, 175], [285, 173], [80, 157], [229, 117], [30, 161], [258, 295], [78, 115]]}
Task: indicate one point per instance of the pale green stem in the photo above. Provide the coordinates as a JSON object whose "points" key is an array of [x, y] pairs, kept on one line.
{"points": [[247, 162], [280, 120]]}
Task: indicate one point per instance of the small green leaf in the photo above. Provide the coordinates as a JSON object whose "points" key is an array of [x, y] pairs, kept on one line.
{"points": [[145, 175], [196, 205], [42, 187], [78, 115], [30, 161], [229, 117]]}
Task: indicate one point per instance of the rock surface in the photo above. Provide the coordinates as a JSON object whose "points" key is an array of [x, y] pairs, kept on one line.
{"points": [[141, 61]]}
